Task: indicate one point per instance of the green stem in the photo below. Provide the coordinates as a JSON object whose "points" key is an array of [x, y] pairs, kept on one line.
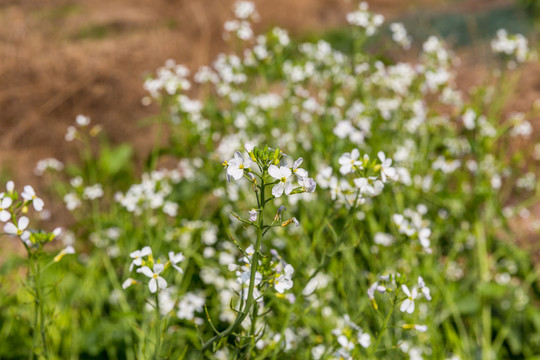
{"points": [[483, 267], [158, 329], [384, 327], [254, 266]]}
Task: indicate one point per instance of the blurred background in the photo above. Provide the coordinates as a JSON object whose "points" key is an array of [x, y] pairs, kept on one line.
{"points": [[60, 58]]}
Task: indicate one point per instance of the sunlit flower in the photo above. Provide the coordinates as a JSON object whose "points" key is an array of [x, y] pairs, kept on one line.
{"points": [[408, 304], [155, 280], [237, 165], [137, 256], [30, 195], [282, 174], [349, 162], [20, 229]]}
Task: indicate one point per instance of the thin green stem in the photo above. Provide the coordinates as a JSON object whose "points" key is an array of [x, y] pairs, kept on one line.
{"points": [[384, 327], [254, 266], [158, 329]]}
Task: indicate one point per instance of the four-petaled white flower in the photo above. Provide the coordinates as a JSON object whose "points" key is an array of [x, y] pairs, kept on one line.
{"points": [[237, 164], [155, 280], [350, 161], [175, 259], [20, 229], [284, 281], [137, 256], [408, 304], [30, 195], [4, 205], [282, 174]]}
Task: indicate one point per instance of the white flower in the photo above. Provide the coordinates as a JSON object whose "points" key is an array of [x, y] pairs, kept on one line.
{"points": [[72, 201], [284, 281], [237, 164], [408, 304], [10, 186], [93, 192], [423, 237], [68, 250], [364, 339], [308, 184], [369, 186], [424, 289], [387, 171], [71, 133], [30, 195], [82, 120], [155, 280], [128, 283], [253, 213], [282, 174], [345, 343], [175, 259], [350, 161], [301, 173], [4, 205], [20, 229], [137, 256]]}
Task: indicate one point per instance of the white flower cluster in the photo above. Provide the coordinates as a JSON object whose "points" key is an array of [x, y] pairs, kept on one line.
{"points": [[240, 166], [48, 164], [370, 180], [365, 19], [82, 122], [171, 79], [349, 336], [412, 224], [151, 193], [514, 47], [400, 36], [390, 282], [245, 13], [152, 269]]}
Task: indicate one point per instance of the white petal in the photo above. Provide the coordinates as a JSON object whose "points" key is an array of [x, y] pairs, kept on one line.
{"points": [[301, 173], [162, 283], [285, 172], [6, 202], [288, 188], [152, 285], [23, 222], [404, 305], [277, 190], [146, 271], [145, 251], [406, 290], [274, 172], [236, 173], [158, 268], [38, 204], [4, 216], [10, 229], [297, 163]]}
